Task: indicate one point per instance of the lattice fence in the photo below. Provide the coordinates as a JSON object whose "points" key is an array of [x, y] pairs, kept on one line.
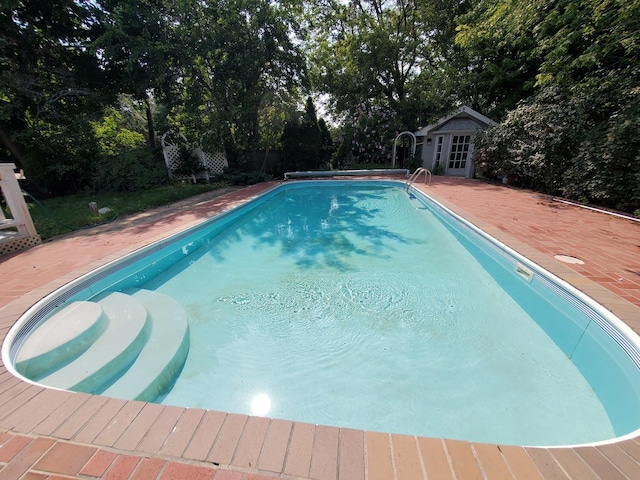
{"points": [[10, 245], [171, 143], [212, 163], [215, 163]]}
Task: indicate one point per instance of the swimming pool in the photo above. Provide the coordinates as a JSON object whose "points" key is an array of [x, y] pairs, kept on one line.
{"points": [[429, 308]]}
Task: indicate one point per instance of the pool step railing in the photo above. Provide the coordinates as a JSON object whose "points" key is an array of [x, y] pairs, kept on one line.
{"points": [[414, 176], [129, 345]]}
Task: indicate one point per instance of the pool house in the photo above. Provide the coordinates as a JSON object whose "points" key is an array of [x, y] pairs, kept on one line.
{"points": [[447, 145]]}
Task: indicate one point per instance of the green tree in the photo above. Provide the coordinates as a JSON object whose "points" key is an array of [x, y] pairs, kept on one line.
{"points": [[377, 52], [234, 55], [502, 57], [368, 136], [302, 140], [577, 135], [135, 49], [49, 84], [276, 110]]}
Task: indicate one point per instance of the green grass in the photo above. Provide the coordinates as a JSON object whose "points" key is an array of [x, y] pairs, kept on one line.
{"points": [[60, 215]]}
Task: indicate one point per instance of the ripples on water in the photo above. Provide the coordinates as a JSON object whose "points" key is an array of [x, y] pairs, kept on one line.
{"points": [[361, 310]]}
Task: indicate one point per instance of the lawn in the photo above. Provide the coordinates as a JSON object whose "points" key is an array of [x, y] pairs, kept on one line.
{"points": [[60, 215]]}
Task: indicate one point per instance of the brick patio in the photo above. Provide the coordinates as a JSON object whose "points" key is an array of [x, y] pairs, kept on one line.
{"points": [[52, 434]]}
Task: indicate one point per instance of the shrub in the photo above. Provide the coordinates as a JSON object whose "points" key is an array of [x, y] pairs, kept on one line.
{"points": [[129, 171], [533, 146], [237, 177], [59, 158], [368, 136], [582, 146]]}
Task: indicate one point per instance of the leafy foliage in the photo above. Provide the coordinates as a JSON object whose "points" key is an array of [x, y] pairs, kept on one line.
{"points": [[531, 145], [502, 55], [368, 53], [50, 85], [577, 134], [366, 137], [242, 52], [305, 144], [606, 168], [236, 177], [124, 164], [84, 85], [60, 157], [113, 136], [130, 170], [559, 145]]}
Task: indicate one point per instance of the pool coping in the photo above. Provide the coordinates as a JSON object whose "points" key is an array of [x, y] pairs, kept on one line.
{"points": [[243, 445]]}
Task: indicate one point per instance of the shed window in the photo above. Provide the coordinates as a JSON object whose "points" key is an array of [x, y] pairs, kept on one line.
{"points": [[459, 151], [438, 150]]}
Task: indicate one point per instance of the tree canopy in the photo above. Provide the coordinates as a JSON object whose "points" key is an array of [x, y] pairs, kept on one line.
{"points": [[561, 76], [383, 52], [49, 86], [576, 132]]}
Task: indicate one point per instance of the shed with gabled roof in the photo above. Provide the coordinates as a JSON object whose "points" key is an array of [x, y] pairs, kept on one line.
{"points": [[447, 145]]}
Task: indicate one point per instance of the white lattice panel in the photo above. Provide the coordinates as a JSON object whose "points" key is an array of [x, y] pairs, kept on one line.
{"points": [[171, 152], [214, 162], [172, 157], [171, 149], [18, 243]]}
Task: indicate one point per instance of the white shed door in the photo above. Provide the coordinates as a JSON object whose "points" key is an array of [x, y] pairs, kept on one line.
{"points": [[459, 155]]}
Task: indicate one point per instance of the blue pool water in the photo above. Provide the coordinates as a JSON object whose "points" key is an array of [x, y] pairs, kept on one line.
{"points": [[359, 305]]}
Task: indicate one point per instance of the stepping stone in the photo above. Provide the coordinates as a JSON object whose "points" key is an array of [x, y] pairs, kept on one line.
{"points": [[163, 356], [60, 339]]}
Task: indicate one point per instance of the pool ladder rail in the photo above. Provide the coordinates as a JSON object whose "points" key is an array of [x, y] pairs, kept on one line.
{"points": [[414, 176]]}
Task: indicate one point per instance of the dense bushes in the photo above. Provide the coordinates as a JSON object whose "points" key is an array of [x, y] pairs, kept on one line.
{"points": [[59, 159], [367, 138], [306, 143], [235, 177], [125, 163], [129, 171], [577, 133], [584, 146]]}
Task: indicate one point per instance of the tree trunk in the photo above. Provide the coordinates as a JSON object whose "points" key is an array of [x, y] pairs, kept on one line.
{"points": [[264, 161], [14, 148], [150, 127]]}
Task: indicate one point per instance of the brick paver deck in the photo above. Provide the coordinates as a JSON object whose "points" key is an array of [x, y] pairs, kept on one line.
{"points": [[51, 434]]}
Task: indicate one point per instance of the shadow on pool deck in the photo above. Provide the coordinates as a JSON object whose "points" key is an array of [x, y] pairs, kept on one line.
{"points": [[72, 435]]}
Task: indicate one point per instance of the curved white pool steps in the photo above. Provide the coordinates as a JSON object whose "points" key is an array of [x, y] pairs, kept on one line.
{"points": [[62, 338], [112, 353], [162, 356], [129, 345]]}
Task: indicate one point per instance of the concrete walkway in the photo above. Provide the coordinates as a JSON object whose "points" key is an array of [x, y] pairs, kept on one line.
{"points": [[52, 434]]}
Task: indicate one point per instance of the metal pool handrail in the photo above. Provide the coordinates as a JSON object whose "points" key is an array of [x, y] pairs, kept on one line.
{"points": [[416, 174]]}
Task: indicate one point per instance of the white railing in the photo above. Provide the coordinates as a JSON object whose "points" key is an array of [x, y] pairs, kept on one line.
{"points": [[20, 217], [416, 174]]}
